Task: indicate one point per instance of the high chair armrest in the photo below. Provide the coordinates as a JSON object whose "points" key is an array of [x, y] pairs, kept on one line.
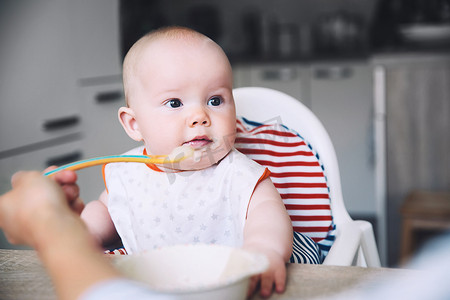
{"points": [[368, 244], [346, 245]]}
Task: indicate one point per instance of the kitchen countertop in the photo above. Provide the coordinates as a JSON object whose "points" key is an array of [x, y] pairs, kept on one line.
{"points": [[380, 57], [409, 56]]}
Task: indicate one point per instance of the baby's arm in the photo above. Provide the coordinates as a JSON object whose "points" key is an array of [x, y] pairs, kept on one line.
{"points": [[268, 230], [98, 221]]}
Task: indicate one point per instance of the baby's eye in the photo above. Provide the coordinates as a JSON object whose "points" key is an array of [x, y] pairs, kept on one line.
{"points": [[215, 101], [174, 103]]}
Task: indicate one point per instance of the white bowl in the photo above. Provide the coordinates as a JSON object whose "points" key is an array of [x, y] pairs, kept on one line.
{"points": [[194, 271]]}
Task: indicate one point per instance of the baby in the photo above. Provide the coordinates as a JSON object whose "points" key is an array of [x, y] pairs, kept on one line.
{"points": [[178, 89]]}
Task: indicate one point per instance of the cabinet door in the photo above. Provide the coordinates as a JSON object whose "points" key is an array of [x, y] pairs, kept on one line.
{"points": [[291, 79], [103, 134], [37, 81], [418, 138], [341, 96], [38, 160], [95, 37], [102, 130]]}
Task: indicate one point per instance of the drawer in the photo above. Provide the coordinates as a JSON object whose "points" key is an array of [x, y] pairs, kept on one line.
{"points": [[38, 88], [38, 160]]}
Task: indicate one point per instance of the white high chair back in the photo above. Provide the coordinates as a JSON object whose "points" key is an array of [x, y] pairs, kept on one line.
{"points": [[355, 242]]}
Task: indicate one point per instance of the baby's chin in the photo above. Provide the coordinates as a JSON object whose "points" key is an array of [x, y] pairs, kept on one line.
{"points": [[195, 159], [191, 165]]}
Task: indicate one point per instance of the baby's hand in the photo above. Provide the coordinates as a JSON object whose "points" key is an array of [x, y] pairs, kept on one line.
{"points": [[68, 181], [273, 277]]}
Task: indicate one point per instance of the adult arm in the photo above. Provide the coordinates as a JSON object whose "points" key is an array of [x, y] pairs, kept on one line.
{"points": [[36, 213]]}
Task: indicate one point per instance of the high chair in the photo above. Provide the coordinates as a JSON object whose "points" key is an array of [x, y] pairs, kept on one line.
{"points": [[352, 242]]}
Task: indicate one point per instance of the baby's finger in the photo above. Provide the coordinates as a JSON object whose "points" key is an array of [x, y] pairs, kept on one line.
{"points": [[267, 281], [77, 206], [72, 191], [280, 281], [254, 280]]}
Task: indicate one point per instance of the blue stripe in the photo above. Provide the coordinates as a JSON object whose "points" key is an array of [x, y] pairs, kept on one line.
{"points": [[314, 250], [305, 250], [325, 244], [251, 123]]}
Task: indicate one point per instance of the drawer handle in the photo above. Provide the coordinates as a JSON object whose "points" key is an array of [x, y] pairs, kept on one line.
{"points": [[64, 159], [107, 97], [283, 74], [61, 123], [333, 73]]}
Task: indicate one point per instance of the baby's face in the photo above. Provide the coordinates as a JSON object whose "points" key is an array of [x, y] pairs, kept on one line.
{"points": [[184, 96]]}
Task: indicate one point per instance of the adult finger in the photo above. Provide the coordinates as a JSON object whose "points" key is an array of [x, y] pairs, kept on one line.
{"points": [[63, 177], [72, 191], [17, 177], [77, 206]]}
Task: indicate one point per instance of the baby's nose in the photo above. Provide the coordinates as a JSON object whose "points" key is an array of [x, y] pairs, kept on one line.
{"points": [[199, 117], [204, 122]]}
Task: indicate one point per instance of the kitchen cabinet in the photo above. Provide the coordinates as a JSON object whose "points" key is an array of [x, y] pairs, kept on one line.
{"points": [[415, 91], [38, 159], [290, 78], [341, 97], [60, 77], [37, 80], [95, 36], [57, 56], [40, 118]]}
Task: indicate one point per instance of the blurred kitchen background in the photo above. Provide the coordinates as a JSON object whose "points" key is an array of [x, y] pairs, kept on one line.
{"points": [[376, 72]]}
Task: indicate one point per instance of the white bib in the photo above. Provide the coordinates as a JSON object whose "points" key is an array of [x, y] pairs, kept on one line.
{"points": [[152, 209]]}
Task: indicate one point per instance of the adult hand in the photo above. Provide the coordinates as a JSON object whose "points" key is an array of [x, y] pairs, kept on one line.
{"points": [[67, 179], [36, 213], [26, 209]]}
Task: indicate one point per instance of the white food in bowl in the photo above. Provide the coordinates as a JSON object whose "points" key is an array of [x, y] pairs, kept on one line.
{"points": [[194, 271]]}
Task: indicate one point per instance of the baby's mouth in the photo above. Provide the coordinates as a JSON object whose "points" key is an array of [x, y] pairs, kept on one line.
{"points": [[199, 142]]}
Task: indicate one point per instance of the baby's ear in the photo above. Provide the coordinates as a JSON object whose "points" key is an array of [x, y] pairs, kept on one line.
{"points": [[128, 121]]}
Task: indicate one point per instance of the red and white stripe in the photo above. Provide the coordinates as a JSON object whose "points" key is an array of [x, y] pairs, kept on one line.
{"points": [[295, 171]]}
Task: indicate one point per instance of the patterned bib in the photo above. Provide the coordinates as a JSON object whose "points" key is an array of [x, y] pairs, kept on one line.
{"points": [[151, 209]]}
